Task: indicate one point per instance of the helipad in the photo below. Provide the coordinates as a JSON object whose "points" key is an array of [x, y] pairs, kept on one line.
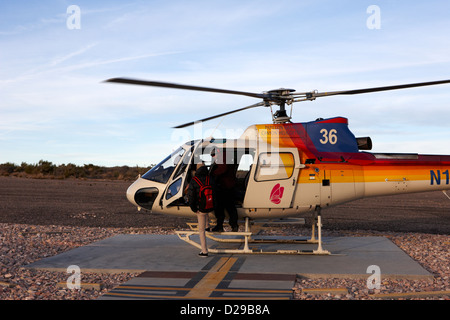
{"points": [[170, 268]]}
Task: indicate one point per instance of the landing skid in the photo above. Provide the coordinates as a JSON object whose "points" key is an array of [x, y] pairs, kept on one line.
{"points": [[246, 238]]}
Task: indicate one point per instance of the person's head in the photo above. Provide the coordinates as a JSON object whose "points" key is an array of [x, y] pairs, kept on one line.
{"points": [[215, 153]]}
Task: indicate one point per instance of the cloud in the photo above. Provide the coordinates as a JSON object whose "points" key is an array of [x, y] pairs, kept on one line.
{"points": [[54, 66], [71, 55]]}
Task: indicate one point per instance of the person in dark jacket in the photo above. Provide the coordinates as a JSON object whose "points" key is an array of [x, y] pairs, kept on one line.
{"points": [[223, 181], [193, 197]]}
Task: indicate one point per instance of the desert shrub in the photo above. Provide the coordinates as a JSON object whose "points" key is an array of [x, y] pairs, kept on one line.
{"points": [[46, 169]]}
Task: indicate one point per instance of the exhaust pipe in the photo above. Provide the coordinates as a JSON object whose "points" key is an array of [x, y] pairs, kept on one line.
{"points": [[364, 143]]}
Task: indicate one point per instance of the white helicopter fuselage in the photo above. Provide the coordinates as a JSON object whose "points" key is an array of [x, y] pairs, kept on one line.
{"points": [[286, 170]]}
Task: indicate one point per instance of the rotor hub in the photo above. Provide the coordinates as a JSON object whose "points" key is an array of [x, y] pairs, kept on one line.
{"points": [[281, 91]]}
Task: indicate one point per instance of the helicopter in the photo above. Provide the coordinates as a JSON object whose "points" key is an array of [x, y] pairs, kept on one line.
{"points": [[286, 169]]}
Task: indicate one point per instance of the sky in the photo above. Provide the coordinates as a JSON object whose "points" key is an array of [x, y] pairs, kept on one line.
{"points": [[55, 56]]}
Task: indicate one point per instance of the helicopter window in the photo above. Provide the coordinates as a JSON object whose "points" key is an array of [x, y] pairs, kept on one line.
{"points": [[245, 162], [274, 166], [173, 189], [162, 171], [182, 168], [205, 158]]}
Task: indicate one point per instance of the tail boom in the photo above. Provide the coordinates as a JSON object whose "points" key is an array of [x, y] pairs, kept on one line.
{"points": [[406, 174]]}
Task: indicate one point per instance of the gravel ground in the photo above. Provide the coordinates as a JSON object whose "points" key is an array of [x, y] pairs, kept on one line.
{"points": [[430, 251], [42, 218]]}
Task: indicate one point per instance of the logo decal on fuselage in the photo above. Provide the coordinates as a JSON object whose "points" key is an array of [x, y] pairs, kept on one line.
{"points": [[276, 194]]}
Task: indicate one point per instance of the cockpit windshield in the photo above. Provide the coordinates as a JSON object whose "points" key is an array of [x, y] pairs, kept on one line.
{"points": [[162, 171]]}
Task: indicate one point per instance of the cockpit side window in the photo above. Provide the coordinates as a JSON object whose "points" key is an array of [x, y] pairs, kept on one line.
{"points": [[184, 163], [162, 171]]}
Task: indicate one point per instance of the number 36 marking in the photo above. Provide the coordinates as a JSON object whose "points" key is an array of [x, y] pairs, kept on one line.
{"points": [[330, 137]]}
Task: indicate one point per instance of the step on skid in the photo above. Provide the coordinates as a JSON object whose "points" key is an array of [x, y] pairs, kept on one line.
{"points": [[246, 238]]}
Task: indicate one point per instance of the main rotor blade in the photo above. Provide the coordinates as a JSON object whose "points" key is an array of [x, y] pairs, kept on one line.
{"points": [[220, 115], [185, 87], [367, 90]]}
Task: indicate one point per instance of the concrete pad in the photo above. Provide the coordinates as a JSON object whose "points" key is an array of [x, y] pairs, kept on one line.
{"points": [[170, 268], [127, 253], [351, 256]]}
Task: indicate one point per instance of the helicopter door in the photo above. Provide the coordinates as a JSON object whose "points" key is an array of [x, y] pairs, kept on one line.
{"points": [[175, 185], [273, 180]]}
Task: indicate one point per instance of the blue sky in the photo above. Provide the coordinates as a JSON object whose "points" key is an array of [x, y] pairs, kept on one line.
{"points": [[54, 105]]}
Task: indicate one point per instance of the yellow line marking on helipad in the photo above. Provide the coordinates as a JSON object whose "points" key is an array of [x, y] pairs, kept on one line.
{"points": [[154, 288], [325, 290], [254, 290], [417, 294], [210, 281]]}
